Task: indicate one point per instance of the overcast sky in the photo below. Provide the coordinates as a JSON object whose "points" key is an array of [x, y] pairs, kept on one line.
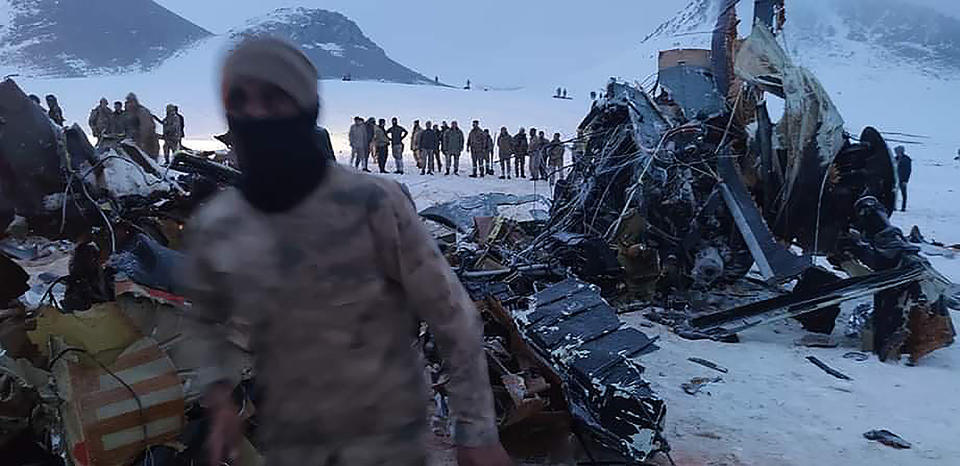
{"points": [[493, 42]]}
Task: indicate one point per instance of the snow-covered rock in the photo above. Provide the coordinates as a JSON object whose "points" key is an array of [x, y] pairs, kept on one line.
{"points": [[72, 38], [335, 44]]}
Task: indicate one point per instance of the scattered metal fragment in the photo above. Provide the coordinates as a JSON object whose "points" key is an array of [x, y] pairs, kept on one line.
{"points": [[697, 383], [856, 356], [828, 369], [712, 365], [887, 438]]}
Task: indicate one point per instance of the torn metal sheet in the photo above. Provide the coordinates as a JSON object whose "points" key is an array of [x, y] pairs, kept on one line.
{"points": [[784, 307], [687, 77], [161, 316], [773, 260], [459, 214], [189, 163], [22, 388], [811, 131], [587, 345], [31, 151]]}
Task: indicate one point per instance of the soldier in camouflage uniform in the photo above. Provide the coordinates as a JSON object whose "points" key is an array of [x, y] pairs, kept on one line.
{"points": [[139, 125], [475, 143], [453, 146], [544, 154], [100, 118], [397, 133], [172, 132], [536, 156], [505, 147], [333, 269], [487, 152], [520, 153], [441, 133], [415, 143]]}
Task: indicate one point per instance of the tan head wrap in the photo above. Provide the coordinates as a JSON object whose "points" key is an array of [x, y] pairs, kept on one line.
{"points": [[276, 62]]}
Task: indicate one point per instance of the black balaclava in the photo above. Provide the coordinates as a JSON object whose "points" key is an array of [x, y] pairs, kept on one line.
{"points": [[280, 160]]}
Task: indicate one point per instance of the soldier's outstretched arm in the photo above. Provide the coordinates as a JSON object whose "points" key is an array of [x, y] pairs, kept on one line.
{"points": [[436, 296]]}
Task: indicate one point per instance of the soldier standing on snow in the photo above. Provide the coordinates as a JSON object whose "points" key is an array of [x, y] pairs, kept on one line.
{"points": [[371, 149], [453, 144], [475, 146], [535, 157], [381, 142], [441, 133], [555, 155], [429, 145], [505, 147], [520, 153], [487, 152], [358, 142], [904, 170], [544, 162], [415, 143], [396, 134]]}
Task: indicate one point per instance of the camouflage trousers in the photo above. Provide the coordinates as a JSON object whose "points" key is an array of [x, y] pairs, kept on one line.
{"points": [[357, 157], [453, 161], [505, 166]]}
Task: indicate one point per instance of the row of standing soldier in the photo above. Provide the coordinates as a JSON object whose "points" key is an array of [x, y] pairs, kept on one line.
{"points": [[372, 139], [136, 122]]}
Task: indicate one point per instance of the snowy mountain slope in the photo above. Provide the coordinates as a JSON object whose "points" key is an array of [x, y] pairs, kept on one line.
{"points": [[77, 38], [70, 38], [335, 44]]}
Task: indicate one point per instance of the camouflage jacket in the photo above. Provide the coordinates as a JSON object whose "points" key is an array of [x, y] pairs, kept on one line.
{"points": [[453, 140], [101, 120], [520, 144], [475, 140], [334, 291], [505, 144], [172, 127]]}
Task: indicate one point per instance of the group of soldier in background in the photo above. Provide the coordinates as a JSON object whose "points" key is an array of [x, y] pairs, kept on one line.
{"points": [[128, 120], [134, 121], [372, 139]]}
